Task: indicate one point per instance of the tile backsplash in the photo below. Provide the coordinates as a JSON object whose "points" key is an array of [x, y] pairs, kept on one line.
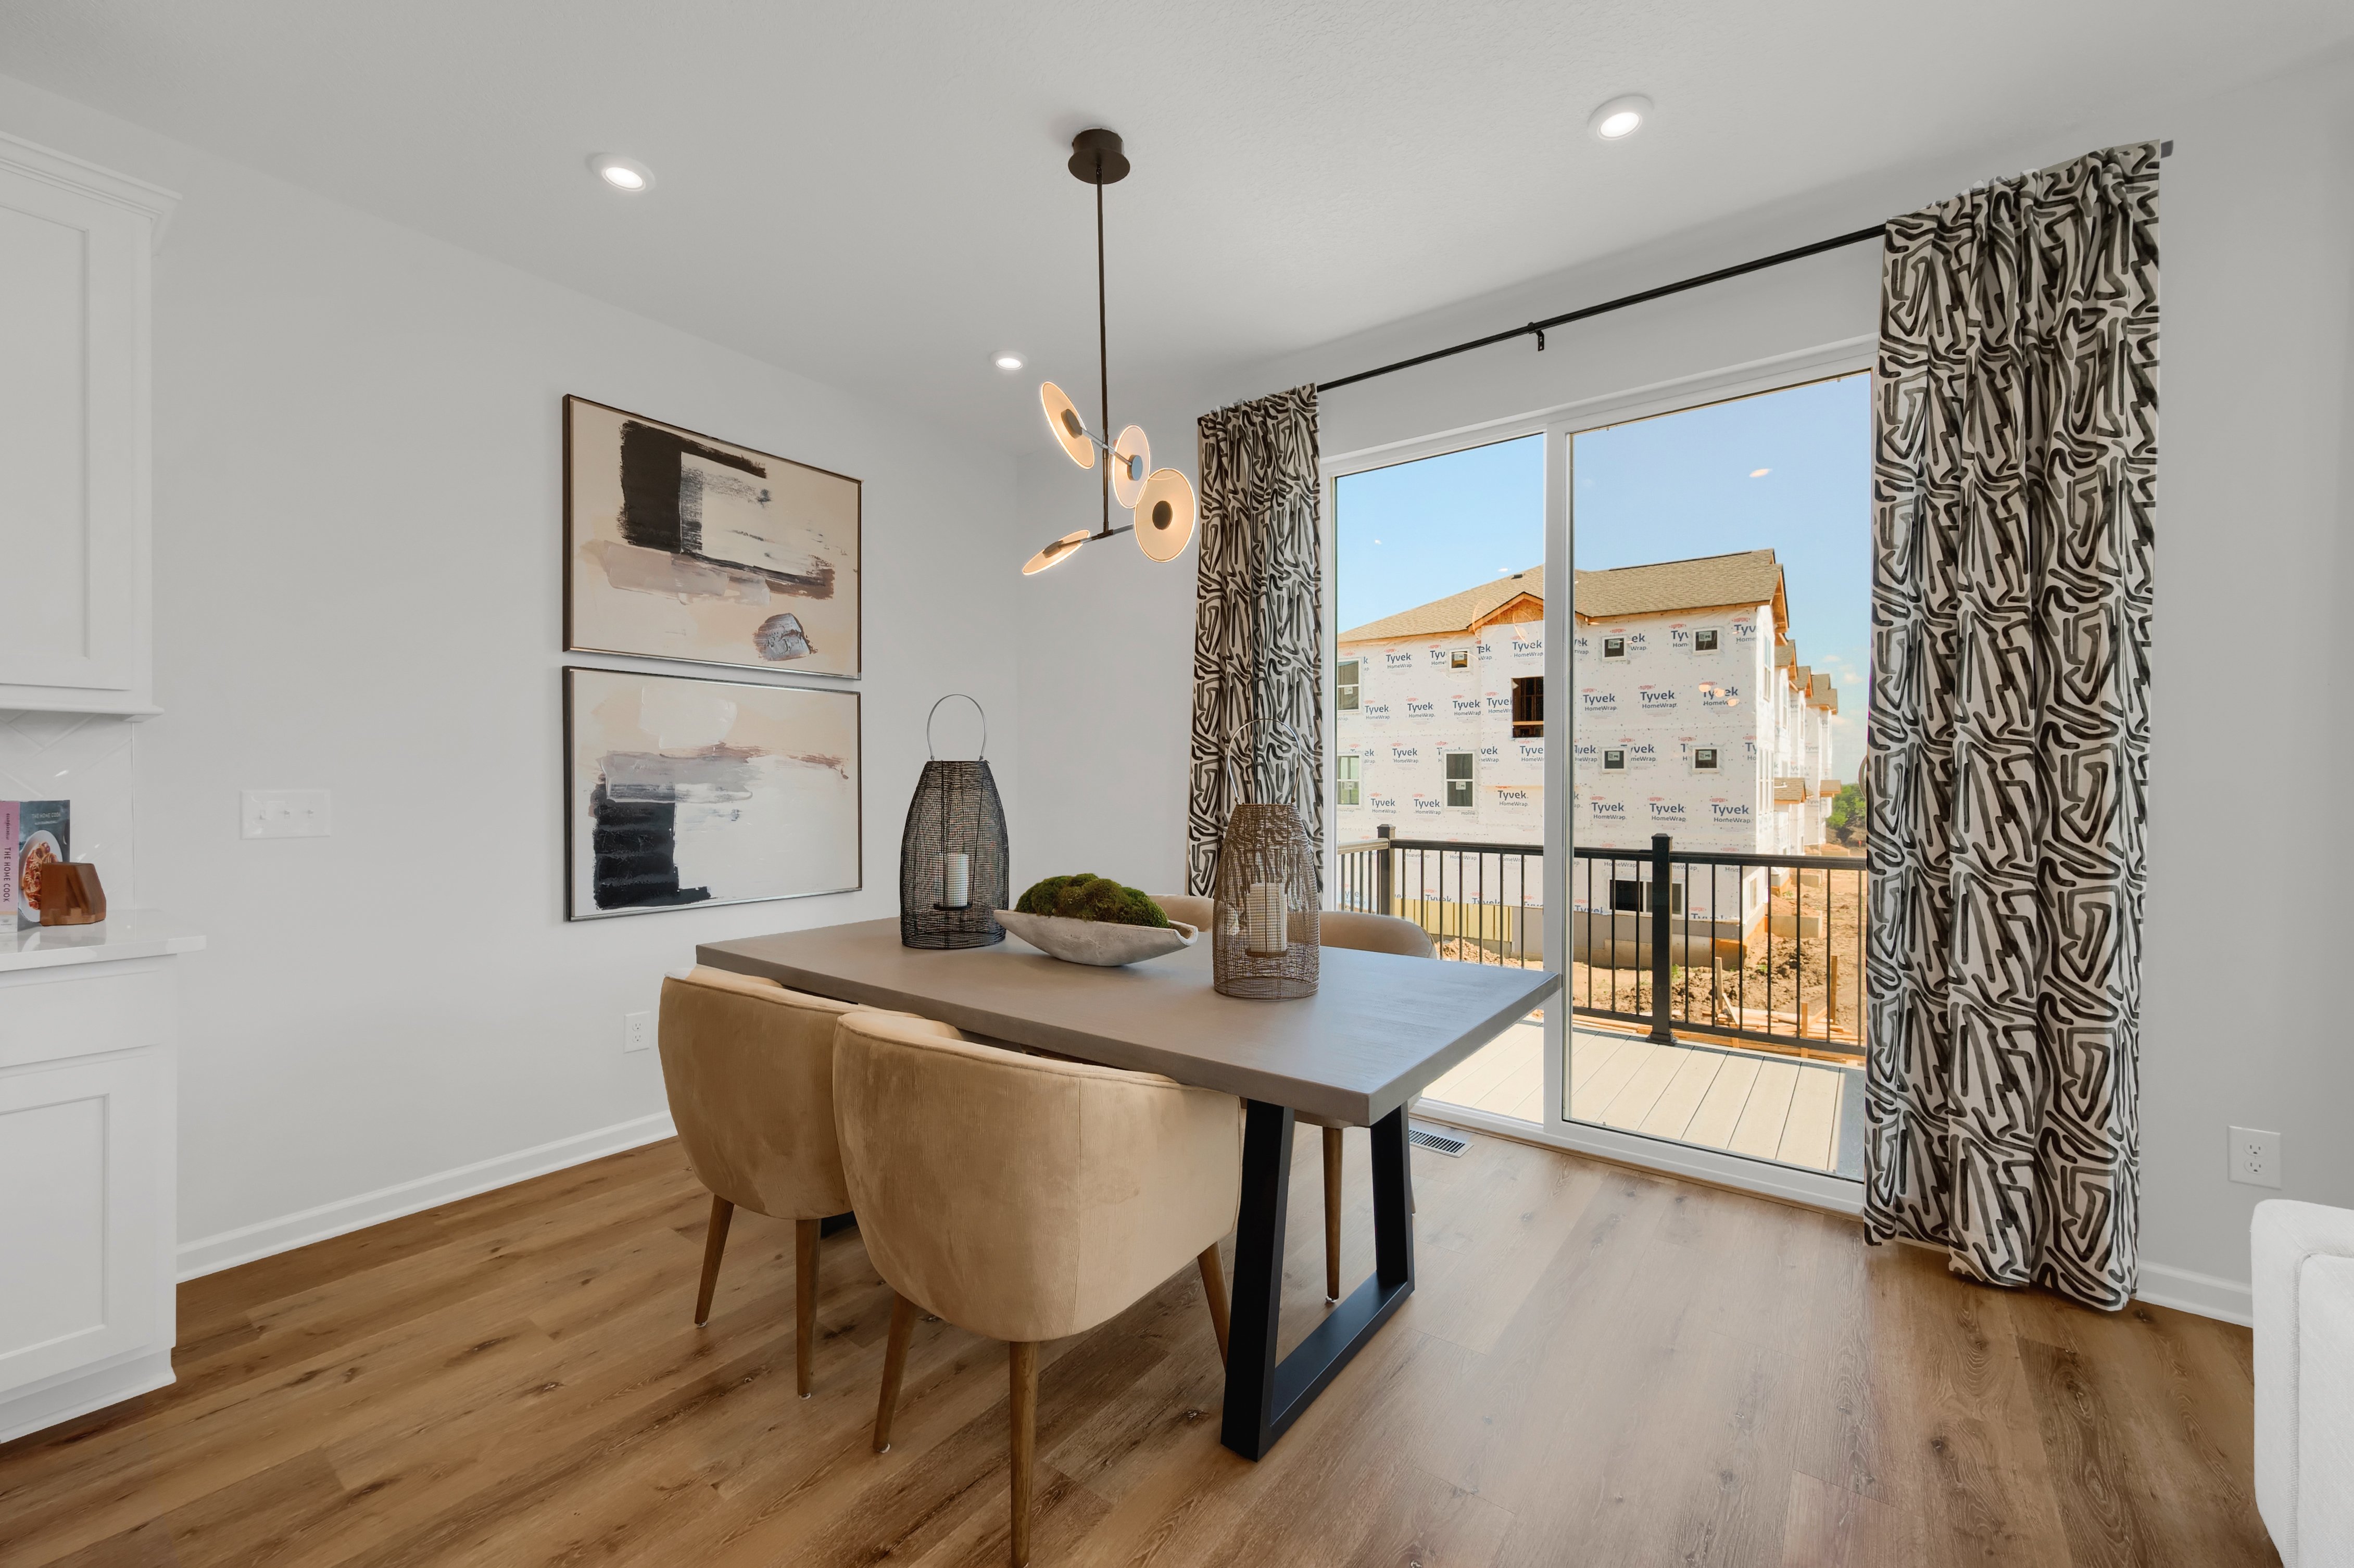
{"points": [[86, 759]]}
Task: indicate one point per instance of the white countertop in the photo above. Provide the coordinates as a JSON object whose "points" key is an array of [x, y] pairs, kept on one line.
{"points": [[126, 934]]}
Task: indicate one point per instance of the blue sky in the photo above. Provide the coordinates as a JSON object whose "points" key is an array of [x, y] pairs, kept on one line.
{"points": [[1651, 490]]}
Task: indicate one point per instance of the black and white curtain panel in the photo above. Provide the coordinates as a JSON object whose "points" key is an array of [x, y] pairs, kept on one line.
{"points": [[2013, 502], [1258, 621]]}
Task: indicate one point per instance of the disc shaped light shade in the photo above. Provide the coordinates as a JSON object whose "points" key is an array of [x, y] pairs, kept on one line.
{"points": [[1061, 550], [1131, 454], [1164, 515], [1062, 419]]}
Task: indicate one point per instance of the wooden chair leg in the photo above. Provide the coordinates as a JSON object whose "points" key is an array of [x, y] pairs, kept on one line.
{"points": [[715, 1242], [895, 1362], [1331, 1214], [1213, 1286], [1022, 1407], [805, 1234]]}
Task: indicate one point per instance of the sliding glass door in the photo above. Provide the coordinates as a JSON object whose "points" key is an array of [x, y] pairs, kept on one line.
{"points": [[1598, 707], [1438, 747], [1714, 899]]}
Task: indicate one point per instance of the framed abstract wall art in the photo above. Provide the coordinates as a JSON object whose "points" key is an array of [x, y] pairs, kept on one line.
{"points": [[681, 791], [680, 545]]}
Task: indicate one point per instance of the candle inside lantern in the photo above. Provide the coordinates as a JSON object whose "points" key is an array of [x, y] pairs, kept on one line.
{"points": [[1264, 915], [955, 881]]}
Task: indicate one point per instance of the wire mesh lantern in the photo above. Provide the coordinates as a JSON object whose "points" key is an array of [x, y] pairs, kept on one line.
{"points": [[1264, 930], [954, 865]]}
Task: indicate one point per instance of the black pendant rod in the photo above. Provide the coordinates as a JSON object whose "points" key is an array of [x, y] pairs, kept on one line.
{"points": [[1538, 329], [1103, 350]]}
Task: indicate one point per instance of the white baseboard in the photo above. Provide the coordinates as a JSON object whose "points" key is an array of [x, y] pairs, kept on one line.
{"points": [[208, 1255], [62, 1398], [2231, 1300]]}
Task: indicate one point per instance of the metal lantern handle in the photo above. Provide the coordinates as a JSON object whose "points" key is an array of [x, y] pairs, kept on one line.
{"points": [[976, 708], [1234, 780]]}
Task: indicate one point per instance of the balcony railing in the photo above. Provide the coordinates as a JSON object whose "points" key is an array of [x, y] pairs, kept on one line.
{"points": [[1761, 948], [1481, 903]]}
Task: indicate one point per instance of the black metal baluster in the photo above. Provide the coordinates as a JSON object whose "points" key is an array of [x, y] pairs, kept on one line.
{"points": [[1661, 932]]}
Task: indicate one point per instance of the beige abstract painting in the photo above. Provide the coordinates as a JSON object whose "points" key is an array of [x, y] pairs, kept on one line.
{"points": [[684, 790], [679, 545]]}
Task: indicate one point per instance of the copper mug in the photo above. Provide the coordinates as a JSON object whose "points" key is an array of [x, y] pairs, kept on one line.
{"points": [[72, 894]]}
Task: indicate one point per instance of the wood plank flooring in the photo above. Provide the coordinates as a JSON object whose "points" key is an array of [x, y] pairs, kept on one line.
{"points": [[1766, 1107], [1598, 1366]]}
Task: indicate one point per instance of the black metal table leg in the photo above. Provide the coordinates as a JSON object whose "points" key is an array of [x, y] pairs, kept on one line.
{"points": [[1265, 1396]]}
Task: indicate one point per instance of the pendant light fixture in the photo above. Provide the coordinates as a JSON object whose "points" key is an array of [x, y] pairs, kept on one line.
{"points": [[1160, 501]]}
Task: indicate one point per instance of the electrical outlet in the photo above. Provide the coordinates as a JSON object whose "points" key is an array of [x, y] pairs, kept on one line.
{"points": [[638, 1031], [2255, 1157]]}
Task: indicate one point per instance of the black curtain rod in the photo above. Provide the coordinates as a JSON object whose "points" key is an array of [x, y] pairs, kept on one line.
{"points": [[1538, 329]]}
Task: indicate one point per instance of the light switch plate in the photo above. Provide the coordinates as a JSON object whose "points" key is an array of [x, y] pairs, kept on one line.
{"points": [[2255, 1157], [287, 814]]}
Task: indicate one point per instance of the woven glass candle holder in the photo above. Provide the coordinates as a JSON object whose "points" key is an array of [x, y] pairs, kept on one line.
{"points": [[954, 864], [1263, 934]]}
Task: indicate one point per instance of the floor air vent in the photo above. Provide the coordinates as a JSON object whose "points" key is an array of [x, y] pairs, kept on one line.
{"points": [[1437, 1139]]}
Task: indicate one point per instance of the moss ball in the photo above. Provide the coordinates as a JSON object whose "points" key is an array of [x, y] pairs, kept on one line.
{"points": [[1086, 896]]}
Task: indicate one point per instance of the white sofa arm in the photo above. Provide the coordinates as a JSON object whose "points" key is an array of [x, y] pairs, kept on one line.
{"points": [[2301, 1261], [2325, 1427]]}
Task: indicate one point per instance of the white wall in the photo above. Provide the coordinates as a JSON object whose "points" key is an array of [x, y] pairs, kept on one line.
{"points": [[2241, 1019], [357, 528]]}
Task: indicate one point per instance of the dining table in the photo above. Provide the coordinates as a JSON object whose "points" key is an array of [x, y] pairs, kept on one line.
{"points": [[1379, 1029]]}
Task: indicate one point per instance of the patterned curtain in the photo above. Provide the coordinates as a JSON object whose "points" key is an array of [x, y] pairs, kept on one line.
{"points": [[1258, 620], [2013, 480]]}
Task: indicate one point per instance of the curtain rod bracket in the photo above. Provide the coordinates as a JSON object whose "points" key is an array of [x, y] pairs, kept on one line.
{"points": [[1540, 332]]}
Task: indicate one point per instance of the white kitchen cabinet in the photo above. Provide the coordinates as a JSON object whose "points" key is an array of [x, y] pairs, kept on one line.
{"points": [[89, 1134], [75, 283]]}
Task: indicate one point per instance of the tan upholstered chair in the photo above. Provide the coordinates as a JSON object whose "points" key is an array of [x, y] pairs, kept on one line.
{"points": [[749, 1066], [1194, 912], [1025, 1198], [1336, 928]]}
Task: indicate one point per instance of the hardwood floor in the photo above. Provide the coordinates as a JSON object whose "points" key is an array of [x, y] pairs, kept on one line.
{"points": [[1599, 1367]]}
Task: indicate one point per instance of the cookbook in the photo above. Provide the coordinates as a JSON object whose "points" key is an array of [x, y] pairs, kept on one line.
{"points": [[33, 833]]}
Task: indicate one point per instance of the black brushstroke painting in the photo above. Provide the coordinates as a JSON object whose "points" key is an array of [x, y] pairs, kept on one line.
{"points": [[652, 519], [649, 471], [635, 847]]}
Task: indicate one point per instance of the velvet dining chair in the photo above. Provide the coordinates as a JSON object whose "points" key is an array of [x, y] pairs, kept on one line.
{"points": [[1025, 1198], [749, 1067]]}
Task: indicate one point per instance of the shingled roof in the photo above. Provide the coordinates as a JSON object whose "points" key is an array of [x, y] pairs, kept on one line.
{"points": [[1456, 613], [1705, 582]]}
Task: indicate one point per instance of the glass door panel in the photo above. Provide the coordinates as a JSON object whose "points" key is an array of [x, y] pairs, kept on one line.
{"points": [[1438, 753], [1714, 898]]}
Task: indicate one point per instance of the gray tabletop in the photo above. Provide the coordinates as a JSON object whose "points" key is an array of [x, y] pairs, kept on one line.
{"points": [[1379, 1029]]}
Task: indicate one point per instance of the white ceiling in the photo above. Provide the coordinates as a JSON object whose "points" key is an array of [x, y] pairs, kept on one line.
{"points": [[875, 195]]}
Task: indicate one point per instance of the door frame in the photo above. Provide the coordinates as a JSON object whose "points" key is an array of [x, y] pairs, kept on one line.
{"points": [[1561, 425]]}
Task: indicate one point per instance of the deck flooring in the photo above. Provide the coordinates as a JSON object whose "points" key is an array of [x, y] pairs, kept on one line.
{"points": [[1750, 1103]]}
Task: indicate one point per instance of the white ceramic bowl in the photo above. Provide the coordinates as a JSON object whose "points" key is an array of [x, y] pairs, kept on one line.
{"points": [[1103, 943]]}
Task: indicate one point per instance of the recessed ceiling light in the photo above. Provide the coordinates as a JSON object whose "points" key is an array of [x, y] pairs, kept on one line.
{"points": [[1007, 361], [622, 174], [1620, 118]]}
